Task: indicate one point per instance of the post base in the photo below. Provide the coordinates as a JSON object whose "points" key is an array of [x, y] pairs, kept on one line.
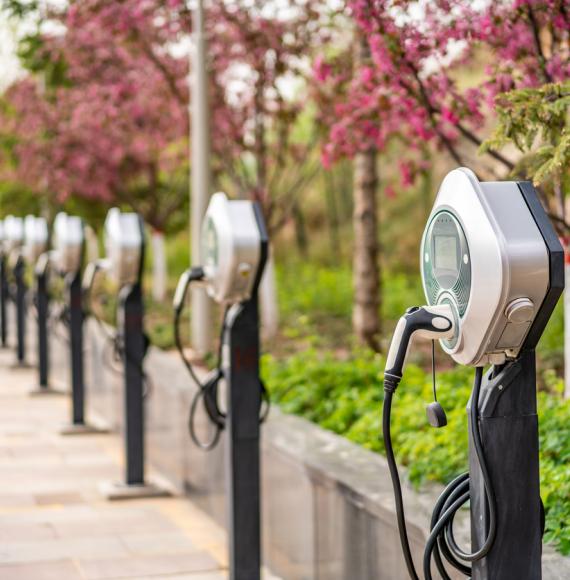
{"points": [[38, 391], [83, 429], [115, 491]]}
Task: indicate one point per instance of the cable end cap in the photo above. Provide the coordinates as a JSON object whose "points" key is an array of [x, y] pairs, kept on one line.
{"points": [[436, 415]]}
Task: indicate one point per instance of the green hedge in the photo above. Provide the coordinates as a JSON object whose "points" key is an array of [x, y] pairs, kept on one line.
{"points": [[345, 396]]}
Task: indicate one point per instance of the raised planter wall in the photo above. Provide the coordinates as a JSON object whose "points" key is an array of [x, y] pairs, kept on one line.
{"points": [[327, 504]]}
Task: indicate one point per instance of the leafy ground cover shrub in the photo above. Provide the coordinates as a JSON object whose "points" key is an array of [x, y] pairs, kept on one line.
{"points": [[345, 396]]}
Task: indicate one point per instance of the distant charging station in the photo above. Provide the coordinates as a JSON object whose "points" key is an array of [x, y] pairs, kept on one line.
{"points": [[35, 253], [16, 283], [3, 288], [123, 264], [66, 261], [493, 271], [234, 252]]}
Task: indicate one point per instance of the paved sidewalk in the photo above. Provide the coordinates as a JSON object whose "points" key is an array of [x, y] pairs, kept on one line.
{"points": [[54, 525]]}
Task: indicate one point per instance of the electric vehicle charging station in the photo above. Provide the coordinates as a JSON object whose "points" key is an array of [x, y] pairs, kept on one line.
{"points": [[234, 252], [492, 271], [66, 261], [14, 240], [35, 246], [124, 263], [3, 289]]}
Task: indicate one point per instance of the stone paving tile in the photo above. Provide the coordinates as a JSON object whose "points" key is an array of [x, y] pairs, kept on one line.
{"points": [[153, 543], [101, 525], [63, 570], [58, 549], [26, 533], [147, 566], [16, 500], [58, 498]]}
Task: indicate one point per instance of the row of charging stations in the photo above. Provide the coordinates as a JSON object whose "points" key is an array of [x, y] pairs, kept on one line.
{"points": [[492, 271], [234, 248], [24, 242]]}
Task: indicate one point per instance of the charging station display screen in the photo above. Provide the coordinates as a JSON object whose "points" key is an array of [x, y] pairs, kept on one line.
{"points": [[445, 252]]}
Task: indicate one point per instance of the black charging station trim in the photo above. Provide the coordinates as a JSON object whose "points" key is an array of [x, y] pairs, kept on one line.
{"points": [[264, 249], [556, 259], [143, 247]]}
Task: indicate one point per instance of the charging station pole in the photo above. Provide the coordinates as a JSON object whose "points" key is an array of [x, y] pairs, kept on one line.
{"points": [[242, 428], [509, 432], [130, 320], [42, 304], [3, 301], [75, 301], [19, 270], [241, 351], [131, 305]]}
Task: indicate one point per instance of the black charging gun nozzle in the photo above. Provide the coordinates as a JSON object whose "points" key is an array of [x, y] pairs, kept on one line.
{"points": [[428, 322], [195, 274]]}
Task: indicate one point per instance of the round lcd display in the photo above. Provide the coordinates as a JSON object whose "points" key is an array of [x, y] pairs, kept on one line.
{"points": [[446, 262]]}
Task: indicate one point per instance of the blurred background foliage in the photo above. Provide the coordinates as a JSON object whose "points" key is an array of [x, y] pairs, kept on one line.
{"points": [[315, 366]]}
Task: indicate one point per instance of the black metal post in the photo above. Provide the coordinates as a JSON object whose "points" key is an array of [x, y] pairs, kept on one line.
{"points": [[509, 431], [242, 440], [19, 272], [132, 335], [42, 304], [76, 315], [3, 301]]}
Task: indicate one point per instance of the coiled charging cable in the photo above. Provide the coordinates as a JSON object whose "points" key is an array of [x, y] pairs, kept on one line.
{"points": [[208, 388], [114, 342], [435, 322], [441, 543]]}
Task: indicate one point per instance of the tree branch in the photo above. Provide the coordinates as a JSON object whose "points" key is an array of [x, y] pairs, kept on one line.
{"points": [[538, 45]]}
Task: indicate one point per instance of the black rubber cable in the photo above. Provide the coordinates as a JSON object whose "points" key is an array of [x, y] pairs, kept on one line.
{"points": [[117, 349], [208, 390], [441, 543]]}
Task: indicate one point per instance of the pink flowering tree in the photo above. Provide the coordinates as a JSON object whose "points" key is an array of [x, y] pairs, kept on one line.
{"points": [[105, 117], [107, 127], [113, 124], [407, 88]]}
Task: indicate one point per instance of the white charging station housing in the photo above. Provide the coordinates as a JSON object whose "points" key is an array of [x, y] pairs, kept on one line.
{"points": [[68, 238], [13, 233], [484, 254], [231, 247], [124, 246], [36, 236]]}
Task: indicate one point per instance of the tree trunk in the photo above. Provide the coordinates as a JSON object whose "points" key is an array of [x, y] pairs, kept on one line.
{"points": [[366, 268], [159, 267]]}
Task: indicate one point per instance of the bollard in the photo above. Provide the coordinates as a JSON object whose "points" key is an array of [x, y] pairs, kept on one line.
{"points": [[21, 290], [3, 302], [124, 242], [42, 304], [241, 370], [79, 425], [133, 340], [234, 248]]}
